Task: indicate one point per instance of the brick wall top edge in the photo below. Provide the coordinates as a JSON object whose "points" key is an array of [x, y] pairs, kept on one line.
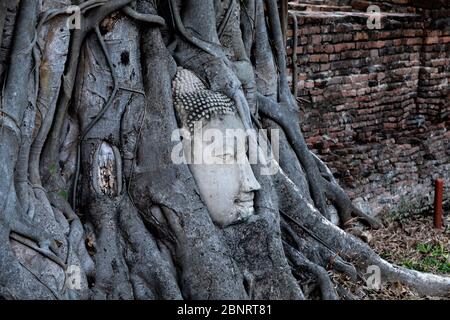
{"points": [[351, 17], [397, 4], [327, 14]]}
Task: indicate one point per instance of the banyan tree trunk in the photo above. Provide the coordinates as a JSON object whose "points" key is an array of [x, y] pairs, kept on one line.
{"points": [[91, 204]]}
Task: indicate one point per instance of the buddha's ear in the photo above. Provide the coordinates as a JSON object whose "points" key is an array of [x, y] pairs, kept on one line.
{"points": [[180, 153], [177, 116]]}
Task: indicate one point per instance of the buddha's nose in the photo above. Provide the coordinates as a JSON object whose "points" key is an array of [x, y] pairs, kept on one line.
{"points": [[248, 179]]}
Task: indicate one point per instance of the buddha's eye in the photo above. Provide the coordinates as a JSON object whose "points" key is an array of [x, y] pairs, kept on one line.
{"points": [[227, 158], [247, 150]]}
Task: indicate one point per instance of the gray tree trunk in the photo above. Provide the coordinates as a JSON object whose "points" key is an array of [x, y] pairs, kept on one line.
{"points": [[91, 205]]}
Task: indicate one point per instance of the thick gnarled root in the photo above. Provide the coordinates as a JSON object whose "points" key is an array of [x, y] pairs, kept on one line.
{"points": [[322, 185], [350, 248]]}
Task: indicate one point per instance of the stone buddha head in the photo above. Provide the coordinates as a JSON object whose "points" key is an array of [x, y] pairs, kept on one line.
{"points": [[216, 150]]}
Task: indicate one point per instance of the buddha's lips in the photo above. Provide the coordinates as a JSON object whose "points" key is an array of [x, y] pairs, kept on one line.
{"points": [[245, 200]]}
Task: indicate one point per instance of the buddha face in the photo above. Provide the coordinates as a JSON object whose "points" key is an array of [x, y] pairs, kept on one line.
{"points": [[224, 176]]}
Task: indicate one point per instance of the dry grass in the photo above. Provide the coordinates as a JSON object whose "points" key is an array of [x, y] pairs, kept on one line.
{"points": [[408, 240], [415, 244]]}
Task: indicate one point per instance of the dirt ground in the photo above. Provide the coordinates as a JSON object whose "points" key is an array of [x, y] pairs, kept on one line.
{"points": [[409, 241]]}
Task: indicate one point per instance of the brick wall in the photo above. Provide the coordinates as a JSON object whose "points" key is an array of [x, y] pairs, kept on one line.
{"points": [[380, 112], [398, 6]]}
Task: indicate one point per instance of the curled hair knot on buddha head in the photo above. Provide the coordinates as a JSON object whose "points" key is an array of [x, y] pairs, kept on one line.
{"points": [[194, 102]]}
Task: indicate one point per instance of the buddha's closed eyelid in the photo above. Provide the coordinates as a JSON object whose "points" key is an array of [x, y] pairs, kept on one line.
{"points": [[226, 155], [224, 151]]}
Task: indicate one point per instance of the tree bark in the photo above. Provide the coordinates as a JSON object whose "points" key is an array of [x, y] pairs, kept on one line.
{"points": [[91, 204]]}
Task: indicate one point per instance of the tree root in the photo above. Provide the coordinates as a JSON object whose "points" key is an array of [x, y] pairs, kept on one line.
{"points": [[284, 93], [294, 54], [90, 22], [323, 279], [315, 249], [46, 253], [153, 238], [147, 18], [208, 47], [351, 248], [320, 187], [291, 128], [98, 117]]}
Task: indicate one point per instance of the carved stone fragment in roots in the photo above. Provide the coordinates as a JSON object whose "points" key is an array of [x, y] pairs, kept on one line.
{"points": [[106, 170]]}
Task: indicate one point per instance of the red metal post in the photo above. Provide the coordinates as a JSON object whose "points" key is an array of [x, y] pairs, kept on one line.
{"points": [[438, 212]]}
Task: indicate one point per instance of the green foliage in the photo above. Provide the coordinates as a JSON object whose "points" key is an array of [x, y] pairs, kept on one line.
{"points": [[432, 258], [52, 169], [63, 193], [385, 255]]}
